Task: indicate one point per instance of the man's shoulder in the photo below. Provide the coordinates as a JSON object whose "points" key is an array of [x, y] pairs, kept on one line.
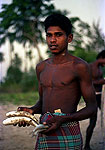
{"points": [[79, 62], [40, 66], [80, 66]]}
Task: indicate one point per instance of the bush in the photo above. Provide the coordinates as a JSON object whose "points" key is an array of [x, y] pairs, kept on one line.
{"points": [[29, 98], [88, 56], [14, 75], [10, 88], [16, 81], [29, 81]]}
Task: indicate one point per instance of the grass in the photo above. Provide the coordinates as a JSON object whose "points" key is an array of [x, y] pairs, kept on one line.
{"points": [[28, 98]]}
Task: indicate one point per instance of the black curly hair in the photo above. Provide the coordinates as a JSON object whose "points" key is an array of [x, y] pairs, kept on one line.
{"points": [[58, 20], [101, 54]]}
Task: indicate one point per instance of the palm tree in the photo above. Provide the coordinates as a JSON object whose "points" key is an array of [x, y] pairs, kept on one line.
{"points": [[22, 21]]}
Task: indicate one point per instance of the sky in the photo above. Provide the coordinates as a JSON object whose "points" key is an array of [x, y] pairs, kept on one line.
{"points": [[87, 10]]}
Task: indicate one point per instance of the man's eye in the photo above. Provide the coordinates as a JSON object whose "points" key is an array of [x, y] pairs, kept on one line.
{"points": [[59, 34], [48, 35]]}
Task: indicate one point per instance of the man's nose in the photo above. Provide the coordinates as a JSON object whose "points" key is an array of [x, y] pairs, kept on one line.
{"points": [[53, 39]]}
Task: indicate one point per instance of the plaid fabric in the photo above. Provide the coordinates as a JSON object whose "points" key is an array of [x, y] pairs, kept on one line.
{"points": [[67, 137]]}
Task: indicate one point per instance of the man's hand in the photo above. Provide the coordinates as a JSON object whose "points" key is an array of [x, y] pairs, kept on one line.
{"points": [[25, 109], [53, 123], [23, 123]]}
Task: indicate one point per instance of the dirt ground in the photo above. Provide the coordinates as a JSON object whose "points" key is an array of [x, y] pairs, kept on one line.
{"points": [[15, 138]]}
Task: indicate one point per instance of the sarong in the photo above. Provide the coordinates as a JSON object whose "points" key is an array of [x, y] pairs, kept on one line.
{"points": [[66, 137]]}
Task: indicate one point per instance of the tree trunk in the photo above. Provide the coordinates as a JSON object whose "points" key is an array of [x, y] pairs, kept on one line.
{"points": [[25, 61], [11, 52], [38, 51]]}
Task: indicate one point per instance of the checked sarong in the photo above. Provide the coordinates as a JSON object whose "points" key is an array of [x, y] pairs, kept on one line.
{"points": [[67, 137]]}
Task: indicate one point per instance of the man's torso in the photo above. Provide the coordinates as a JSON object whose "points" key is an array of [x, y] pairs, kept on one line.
{"points": [[61, 89]]}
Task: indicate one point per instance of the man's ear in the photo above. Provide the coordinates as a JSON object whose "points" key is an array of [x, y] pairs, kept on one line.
{"points": [[70, 38]]}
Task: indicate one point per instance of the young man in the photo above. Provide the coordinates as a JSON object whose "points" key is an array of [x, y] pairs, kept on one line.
{"points": [[98, 81], [63, 79]]}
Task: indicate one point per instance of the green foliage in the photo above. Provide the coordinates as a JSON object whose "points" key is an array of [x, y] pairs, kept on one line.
{"points": [[10, 87], [23, 17], [17, 81], [85, 55], [22, 21], [29, 81], [87, 38], [96, 38], [29, 98], [14, 75], [16, 62]]}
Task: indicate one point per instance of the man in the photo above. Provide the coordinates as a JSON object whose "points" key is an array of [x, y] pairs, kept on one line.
{"points": [[98, 81], [63, 79]]}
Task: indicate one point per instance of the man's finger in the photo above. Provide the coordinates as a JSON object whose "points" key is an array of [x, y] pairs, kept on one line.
{"points": [[24, 109], [51, 128], [21, 109]]}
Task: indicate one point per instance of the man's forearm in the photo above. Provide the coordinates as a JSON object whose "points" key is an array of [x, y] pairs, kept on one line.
{"points": [[98, 82], [82, 114]]}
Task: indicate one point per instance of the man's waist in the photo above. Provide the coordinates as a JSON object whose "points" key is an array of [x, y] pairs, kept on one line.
{"points": [[48, 115]]}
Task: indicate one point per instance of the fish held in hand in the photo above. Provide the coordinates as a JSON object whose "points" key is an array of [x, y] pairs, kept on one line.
{"points": [[40, 128]]}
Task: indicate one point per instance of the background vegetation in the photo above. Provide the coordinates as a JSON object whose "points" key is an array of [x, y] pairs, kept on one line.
{"points": [[29, 98], [22, 22]]}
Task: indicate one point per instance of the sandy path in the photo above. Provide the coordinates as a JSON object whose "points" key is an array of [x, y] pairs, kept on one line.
{"points": [[15, 138]]}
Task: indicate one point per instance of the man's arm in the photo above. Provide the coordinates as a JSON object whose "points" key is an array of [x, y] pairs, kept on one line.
{"points": [[88, 94], [97, 63], [100, 81], [100, 61]]}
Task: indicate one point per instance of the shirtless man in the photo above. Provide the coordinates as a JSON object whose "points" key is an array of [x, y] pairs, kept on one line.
{"points": [[63, 79], [98, 81]]}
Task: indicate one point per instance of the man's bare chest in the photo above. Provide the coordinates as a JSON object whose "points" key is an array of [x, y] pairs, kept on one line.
{"points": [[56, 76]]}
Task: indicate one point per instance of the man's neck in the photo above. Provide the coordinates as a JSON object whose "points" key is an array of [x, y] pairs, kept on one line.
{"points": [[60, 58]]}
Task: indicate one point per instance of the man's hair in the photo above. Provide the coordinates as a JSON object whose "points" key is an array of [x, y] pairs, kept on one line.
{"points": [[58, 20], [101, 54]]}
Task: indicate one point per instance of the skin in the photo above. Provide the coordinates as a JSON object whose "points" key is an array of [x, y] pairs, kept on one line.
{"points": [[62, 79], [97, 74], [98, 81]]}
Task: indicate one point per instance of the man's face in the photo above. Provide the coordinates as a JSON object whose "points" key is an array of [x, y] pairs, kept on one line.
{"points": [[57, 39], [102, 64]]}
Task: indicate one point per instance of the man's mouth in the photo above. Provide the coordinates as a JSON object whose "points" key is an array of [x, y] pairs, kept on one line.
{"points": [[53, 46]]}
